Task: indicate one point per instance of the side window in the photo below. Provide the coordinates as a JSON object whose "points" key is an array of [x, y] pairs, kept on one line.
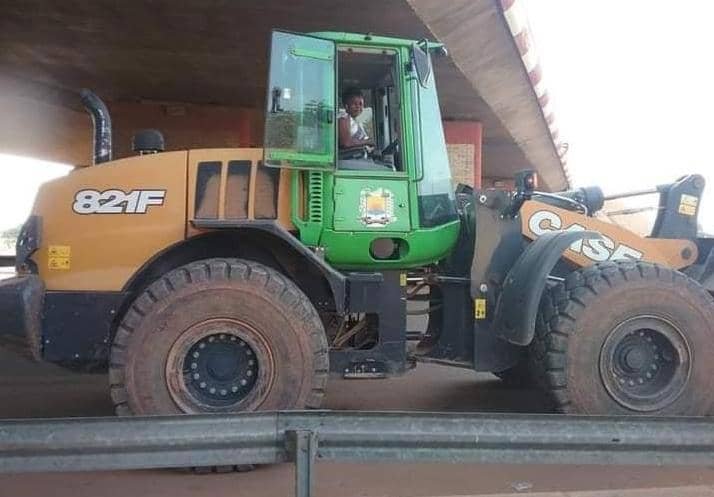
{"points": [[299, 122]]}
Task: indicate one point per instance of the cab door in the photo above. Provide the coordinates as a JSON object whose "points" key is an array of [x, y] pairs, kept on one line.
{"points": [[300, 114], [371, 194]]}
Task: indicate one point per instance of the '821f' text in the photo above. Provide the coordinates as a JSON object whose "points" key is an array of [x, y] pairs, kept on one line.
{"points": [[116, 201]]}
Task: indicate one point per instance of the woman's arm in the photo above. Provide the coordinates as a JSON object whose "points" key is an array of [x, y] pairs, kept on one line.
{"points": [[344, 134]]}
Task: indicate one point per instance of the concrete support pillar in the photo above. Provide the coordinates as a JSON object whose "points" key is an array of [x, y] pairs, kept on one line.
{"points": [[464, 145]]}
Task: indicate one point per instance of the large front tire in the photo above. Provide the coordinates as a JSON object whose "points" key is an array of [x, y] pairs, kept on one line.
{"points": [[219, 335], [626, 338]]}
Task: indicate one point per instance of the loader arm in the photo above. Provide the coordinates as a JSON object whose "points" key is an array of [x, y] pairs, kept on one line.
{"points": [[616, 242]]}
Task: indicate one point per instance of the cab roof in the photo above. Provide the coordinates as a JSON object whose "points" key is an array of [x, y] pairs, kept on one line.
{"points": [[368, 39]]}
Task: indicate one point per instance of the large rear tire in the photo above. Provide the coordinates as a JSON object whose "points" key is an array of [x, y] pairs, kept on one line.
{"points": [[626, 338], [219, 335]]}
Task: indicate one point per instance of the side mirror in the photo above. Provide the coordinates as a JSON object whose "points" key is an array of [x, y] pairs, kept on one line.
{"points": [[422, 62], [440, 51], [526, 182]]}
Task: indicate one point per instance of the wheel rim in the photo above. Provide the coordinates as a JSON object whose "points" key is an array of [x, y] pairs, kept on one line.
{"points": [[645, 363], [217, 366]]}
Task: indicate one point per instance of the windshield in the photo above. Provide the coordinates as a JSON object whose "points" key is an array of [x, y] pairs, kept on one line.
{"points": [[436, 194]]}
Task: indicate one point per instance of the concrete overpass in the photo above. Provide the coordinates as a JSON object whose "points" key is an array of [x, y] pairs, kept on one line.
{"points": [[196, 70]]}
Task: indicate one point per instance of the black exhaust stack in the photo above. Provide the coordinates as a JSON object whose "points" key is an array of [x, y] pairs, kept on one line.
{"points": [[102, 126]]}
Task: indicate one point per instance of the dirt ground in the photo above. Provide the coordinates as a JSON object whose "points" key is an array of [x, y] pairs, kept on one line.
{"points": [[40, 390]]}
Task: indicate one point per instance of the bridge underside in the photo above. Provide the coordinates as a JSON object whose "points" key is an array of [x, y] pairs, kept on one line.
{"points": [[196, 70]]}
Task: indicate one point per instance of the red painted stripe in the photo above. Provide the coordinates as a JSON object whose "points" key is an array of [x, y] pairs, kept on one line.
{"points": [[535, 75], [522, 42], [507, 4]]}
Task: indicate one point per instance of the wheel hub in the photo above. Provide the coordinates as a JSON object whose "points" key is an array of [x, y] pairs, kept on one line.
{"points": [[645, 363], [219, 365], [220, 369]]}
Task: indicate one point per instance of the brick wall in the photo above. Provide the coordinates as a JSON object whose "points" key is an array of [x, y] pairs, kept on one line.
{"points": [[463, 144], [187, 126]]}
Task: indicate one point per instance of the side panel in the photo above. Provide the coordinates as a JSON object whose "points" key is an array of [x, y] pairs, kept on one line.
{"points": [[351, 250], [96, 232], [617, 243]]}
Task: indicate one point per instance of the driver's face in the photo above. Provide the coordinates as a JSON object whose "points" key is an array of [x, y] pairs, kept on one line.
{"points": [[355, 106]]}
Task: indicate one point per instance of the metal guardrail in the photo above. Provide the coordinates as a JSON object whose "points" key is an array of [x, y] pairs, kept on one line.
{"points": [[86, 444]]}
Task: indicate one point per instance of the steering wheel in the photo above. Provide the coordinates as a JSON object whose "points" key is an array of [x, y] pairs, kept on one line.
{"points": [[356, 152], [391, 148]]}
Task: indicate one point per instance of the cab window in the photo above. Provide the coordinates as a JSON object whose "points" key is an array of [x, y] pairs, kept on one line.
{"points": [[368, 119]]}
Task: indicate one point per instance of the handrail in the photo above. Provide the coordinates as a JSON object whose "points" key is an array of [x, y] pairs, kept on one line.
{"points": [[87, 444]]}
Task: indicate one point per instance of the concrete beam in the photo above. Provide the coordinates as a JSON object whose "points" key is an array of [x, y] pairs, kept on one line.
{"points": [[482, 47]]}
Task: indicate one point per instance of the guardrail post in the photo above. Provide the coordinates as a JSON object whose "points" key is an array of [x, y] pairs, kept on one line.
{"points": [[302, 447]]}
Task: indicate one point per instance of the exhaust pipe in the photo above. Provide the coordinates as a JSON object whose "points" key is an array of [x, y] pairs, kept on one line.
{"points": [[102, 126]]}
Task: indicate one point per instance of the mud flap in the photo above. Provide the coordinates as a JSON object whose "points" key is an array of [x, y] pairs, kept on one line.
{"points": [[518, 303]]}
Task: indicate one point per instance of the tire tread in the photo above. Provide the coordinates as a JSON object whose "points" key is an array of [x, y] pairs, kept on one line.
{"points": [[219, 269], [558, 316]]}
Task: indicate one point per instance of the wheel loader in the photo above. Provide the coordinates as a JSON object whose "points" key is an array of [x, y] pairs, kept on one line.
{"points": [[224, 280]]}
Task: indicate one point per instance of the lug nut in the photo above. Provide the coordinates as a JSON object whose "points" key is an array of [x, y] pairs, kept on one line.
{"points": [[196, 376], [243, 382], [201, 345], [224, 392], [212, 390], [196, 354], [194, 365], [203, 384], [234, 389], [249, 373]]}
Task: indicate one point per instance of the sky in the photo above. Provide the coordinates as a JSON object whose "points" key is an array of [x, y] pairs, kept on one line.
{"points": [[23, 175], [632, 86]]}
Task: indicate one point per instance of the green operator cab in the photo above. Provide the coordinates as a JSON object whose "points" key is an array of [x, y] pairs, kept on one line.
{"points": [[386, 206]]}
